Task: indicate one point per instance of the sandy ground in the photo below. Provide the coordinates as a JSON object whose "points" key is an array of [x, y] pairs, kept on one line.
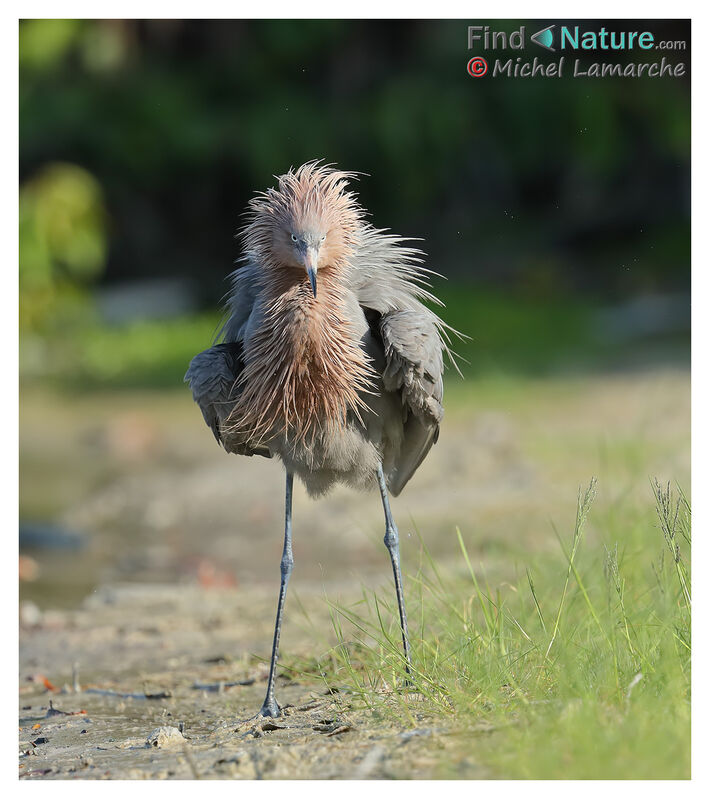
{"points": [[176, 582], [175, 664]]}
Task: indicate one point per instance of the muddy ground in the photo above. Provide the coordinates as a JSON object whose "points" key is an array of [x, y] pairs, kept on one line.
{"points": [[167, 595], [176, 664]]}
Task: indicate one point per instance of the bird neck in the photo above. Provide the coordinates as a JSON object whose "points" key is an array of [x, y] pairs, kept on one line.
{"points": [[309, 322], [305, 368]]}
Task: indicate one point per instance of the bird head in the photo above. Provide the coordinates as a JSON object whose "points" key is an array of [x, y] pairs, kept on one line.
{"points": [[309, 223], [305, 251]]}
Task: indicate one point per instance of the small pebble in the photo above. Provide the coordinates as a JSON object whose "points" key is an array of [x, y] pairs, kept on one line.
{"points": [[165, 737]]}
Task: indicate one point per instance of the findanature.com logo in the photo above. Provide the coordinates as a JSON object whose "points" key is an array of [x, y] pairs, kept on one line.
{"points": [[563, 37]]}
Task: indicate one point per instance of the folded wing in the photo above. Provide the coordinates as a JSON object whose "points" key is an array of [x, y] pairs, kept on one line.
{"points": [[390, 284], [213, 377]]}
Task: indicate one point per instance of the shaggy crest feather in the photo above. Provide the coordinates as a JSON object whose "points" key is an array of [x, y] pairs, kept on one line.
{"points": [[311, 193]]}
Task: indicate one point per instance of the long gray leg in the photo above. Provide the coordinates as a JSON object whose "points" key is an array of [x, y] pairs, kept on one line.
{"points": [[392, 544], [270, 706]]}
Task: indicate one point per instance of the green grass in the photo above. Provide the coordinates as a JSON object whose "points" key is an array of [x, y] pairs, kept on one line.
{"points": [[507, 335], [142, 354], [576, 668]]}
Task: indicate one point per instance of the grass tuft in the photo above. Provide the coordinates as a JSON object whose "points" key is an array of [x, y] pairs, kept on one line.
{"points": [[574, 669]]}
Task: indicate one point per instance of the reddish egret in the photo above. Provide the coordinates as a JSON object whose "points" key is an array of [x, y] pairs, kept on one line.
{"points": [[328, 358]]}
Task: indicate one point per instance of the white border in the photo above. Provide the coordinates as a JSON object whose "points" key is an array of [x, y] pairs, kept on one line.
{"points": [[701, 340]]}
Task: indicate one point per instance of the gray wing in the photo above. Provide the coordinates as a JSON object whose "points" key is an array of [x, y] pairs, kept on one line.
{"points": [[390, 283], [213, 374], [245, 284], [213, 378], [414, 367]]}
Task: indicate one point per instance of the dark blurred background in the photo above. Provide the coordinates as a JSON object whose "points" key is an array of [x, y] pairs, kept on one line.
{"points": [[558, 209], [141, 142]]}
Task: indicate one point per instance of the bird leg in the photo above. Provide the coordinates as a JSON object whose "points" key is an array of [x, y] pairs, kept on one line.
{"points": [[392, 544], [270, 706]]}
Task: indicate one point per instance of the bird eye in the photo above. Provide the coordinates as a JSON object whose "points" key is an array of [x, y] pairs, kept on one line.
{"points": [[322, 238], [293, 237]]}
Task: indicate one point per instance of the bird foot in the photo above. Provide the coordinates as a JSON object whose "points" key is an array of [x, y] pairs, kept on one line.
{"points": [[259, 723], [270, 709]]}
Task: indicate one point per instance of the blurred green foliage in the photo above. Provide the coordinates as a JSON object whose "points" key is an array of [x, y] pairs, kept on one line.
{"points": [[143, 353], [63, 243], [45, 42]]}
